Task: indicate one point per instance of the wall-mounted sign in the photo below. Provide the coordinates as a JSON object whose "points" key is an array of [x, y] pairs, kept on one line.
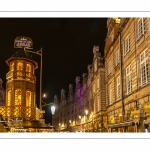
{"points": [[22, 41]]}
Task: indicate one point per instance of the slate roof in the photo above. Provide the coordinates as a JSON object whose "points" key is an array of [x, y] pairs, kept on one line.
{"points": [[22, 54]]}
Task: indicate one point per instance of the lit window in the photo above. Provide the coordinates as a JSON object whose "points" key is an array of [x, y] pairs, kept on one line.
{"points": [[126, 45], [28, 103], [118, 88], [128, 79], [28, 68], [120, 117], [20, 66], [141, 28], [12, 67], [9, 98], [144, 71], [28, 98], [18, 96]]}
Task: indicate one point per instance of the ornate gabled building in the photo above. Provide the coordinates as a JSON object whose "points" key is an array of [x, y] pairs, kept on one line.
{"points": [[2, 94], [98, 91], [127, 59], [84, 109]]}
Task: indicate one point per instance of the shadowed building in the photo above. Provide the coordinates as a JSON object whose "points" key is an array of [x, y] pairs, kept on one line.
{"points": [[2, 94], [84, 109]]}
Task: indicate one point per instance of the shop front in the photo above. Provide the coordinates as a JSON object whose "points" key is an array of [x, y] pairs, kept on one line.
{"points": [[128, 126], [146, 122]]}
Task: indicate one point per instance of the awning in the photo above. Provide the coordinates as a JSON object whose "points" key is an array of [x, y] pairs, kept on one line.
{"points": [[122, 124], [147, 121]]}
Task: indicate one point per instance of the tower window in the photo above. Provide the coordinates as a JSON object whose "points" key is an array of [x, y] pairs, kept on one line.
{"points": [[9, 98], [12, 67], [28, 68], [20, 66], [28, 98], [18, 96]]}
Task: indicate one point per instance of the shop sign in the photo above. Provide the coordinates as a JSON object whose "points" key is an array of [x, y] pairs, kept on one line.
{"points": [[42, 111], [22, 41], [147, 108]]}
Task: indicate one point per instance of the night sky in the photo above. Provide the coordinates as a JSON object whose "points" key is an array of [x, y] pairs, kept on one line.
{"points": [[67, 45]]}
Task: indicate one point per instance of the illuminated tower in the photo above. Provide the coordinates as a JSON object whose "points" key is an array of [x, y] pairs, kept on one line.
{"points": [[21, 86]]}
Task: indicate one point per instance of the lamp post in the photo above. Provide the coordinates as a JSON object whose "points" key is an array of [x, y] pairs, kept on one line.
{"points": [[39, 52], [86, 120], [86, 112]]}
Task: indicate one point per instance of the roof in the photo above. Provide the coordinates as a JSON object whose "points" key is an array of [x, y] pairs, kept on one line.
{"points": [[23, 54]]}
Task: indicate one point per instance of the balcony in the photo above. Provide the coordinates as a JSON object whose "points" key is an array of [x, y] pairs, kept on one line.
{"points": [[21, 75]]}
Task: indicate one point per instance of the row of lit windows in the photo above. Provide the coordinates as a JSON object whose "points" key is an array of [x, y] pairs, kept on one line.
{"points": [[141, 28], [18, 97], [20, 67], [143, 76]]}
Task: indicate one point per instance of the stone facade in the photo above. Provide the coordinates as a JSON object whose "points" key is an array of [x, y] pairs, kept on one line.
{"points": [[127, 59], [84, 108]]}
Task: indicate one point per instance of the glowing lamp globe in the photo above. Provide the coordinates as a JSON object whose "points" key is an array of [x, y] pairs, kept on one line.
{"points": [[53, 110]]}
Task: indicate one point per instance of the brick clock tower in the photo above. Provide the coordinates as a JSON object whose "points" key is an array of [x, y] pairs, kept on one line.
{"points": [[21, 86]]}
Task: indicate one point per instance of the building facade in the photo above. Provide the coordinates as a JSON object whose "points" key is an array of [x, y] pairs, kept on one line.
{"points": [[127, 58], [84, 109]]}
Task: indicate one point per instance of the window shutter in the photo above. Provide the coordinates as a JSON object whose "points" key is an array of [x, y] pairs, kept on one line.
{"points": [[138, 71], [144, 25], [137, 32], [128, 44]]}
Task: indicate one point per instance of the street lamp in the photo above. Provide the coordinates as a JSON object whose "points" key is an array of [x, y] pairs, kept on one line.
{"points": [[53, 107], [80, 118], [86, 112]]}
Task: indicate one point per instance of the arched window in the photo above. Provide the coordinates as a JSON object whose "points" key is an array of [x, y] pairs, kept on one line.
{"points": [[12, 67], [20, 66], [28, 98], [18, 97], [9, 98], [28, 68]]}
